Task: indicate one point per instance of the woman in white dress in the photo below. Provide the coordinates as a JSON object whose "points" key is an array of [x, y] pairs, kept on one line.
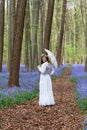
{"points": [[45, 85]]}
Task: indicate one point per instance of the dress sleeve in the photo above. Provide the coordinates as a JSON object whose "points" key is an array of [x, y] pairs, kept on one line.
{"points": [[42, 68], [52, 70]]}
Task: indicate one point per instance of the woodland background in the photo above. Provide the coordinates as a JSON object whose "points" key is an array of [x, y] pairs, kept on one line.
{"points": [[28, 26]]}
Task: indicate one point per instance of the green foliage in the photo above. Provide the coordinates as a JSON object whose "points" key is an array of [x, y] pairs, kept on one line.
{"points": [[17, 98], [74, 79], [81, 52], [83, 104], [70, 51], [72, 54], [74, 31]]}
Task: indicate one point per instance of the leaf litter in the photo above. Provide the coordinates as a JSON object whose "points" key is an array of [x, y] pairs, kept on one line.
{"points": [[64, 115]]}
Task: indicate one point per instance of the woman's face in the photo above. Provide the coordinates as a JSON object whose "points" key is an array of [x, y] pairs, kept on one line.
{"points": [[44, 59]]}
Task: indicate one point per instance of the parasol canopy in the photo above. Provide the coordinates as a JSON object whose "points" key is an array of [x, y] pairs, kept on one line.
{"points": [[52, 57]]}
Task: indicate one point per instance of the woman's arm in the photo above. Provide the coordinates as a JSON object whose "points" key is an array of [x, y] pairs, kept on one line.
{"points": [[52, 69], [42, 68]]}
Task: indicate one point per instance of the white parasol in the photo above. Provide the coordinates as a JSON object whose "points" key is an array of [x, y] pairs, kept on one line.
{"points": [[52, 57]]}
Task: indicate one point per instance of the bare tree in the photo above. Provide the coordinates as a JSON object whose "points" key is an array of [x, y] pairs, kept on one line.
{"points": [[83, 8], [2, 6], [17, 43], [48, 23], [86, 42], [59, 49], [35, 21], [10, 30], [28, 48], [41, 29]]}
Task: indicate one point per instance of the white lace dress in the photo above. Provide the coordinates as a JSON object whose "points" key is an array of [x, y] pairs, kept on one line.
{"points": [[45, 85]]}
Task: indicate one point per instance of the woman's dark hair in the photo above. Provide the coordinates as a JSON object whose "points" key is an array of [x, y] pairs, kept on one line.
{"points": [[42, 58]]}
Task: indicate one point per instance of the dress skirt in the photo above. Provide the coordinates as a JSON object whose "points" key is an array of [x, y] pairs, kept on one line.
{"points": [[45, 90]]}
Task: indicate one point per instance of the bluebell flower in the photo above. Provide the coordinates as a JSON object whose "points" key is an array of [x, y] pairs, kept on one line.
{"points": [[81, 79], [28, 80]]}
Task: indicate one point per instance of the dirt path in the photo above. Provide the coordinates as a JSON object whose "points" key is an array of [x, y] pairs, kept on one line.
{"points": [[29, 116]]}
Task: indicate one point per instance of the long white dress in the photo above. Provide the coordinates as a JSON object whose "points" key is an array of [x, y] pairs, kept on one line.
{"points": [[45, 85]]}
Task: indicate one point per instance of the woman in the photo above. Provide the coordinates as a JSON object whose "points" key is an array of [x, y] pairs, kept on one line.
{"points": [[45, 85]]}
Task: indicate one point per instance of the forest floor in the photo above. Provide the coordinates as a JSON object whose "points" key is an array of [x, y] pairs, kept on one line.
{"points": [[64, 115]]}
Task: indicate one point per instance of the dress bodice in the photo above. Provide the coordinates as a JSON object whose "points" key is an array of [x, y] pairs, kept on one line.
{"points": [[46, 68]]}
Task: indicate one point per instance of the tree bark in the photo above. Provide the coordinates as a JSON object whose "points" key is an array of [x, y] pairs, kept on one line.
{"points": [[2, 6], [59, 49], [84, 21], [86, 43], [48, 24], [17, 43], [10, 30], [35, 21], [28, 48], [58, 24], [41, 31]]}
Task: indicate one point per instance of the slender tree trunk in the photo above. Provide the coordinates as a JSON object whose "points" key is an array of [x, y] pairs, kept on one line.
{"points": [[26, 59], [44, 16], [41, 26], [84, 21], [59, 49], [58, 9], [76, 34], [17, 43], [48, 26], [28, 50], [65, 54], [2, 6], [35, 20], [86, 42], [7, 7], [74, 41], [11, 30]]}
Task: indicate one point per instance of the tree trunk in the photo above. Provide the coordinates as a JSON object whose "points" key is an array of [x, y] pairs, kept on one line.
{"points": [[28, 50], [7, 4], [41, 26], [11, 30], [59, 49], [35, 20], [48, 24], [86, 42], [84, 21], [2, 5], [17, 43], [58, 24]]}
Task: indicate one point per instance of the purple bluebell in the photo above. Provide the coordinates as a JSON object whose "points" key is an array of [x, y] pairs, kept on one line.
{"points": [[81, 79], [81, 83], [28, 80]]}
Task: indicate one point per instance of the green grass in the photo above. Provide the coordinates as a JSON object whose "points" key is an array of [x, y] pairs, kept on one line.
{"points": [[83, 104], [17, 98], [73, 80], [55, 77], [21, 97]]}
